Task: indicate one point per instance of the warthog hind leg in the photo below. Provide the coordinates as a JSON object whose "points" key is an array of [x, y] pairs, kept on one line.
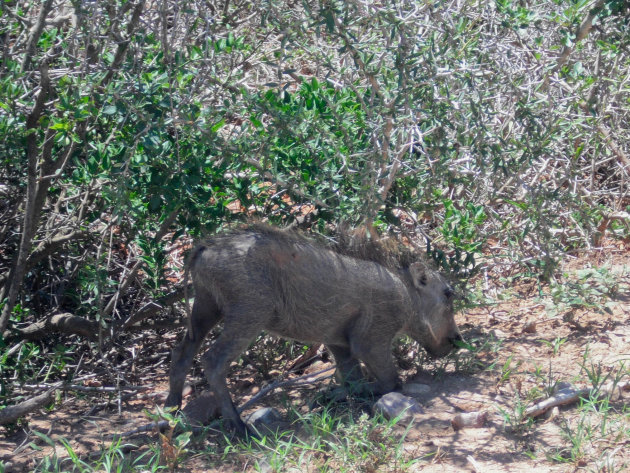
{"points": [[205, 315], [348, 368], [233, 341]]}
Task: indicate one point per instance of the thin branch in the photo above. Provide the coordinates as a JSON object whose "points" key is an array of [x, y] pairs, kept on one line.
{"points": [[303, 380], [268, 175], [154, 307], [50, 245], [164, 227], [86, 389], [124, 44], [580, 34]]}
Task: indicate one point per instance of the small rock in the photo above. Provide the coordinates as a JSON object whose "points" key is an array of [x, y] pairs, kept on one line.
{"points": [[469, 419], [616, 393], [415, 389], [157, 397], [319, 370], [264, 416], [314, 367], [393, 405], [187, 391], [498, 334], [529, 327]]}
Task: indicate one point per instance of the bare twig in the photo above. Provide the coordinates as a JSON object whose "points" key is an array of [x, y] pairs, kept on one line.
{"points": [[153, 307], [474, 464], [86, 389], [130, 277], [124, 44], [299, 381], [159, 426], [104, 405], [292, 188]]}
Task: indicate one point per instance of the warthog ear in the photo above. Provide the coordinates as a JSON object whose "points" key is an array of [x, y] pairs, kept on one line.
{"points": [[418, 273]]}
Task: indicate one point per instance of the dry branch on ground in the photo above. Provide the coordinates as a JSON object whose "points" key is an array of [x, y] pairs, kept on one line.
{"points": [[572, 395]]}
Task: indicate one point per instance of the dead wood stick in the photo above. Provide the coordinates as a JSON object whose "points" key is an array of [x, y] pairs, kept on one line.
{"points": [[300, 381], [64, 323], [77, 387], [159, 426], [308, 356], [12, 413], [569, 396]]}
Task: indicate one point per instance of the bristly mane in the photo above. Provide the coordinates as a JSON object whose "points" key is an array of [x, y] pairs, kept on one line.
{"points": [[354, 243], [386, 251]]}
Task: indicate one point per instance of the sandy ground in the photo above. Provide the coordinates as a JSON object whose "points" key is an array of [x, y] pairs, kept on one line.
{"points": [[531, 344]]}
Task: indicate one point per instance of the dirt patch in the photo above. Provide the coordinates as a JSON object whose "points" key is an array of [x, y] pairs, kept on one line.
{"points": [[527, 347]]}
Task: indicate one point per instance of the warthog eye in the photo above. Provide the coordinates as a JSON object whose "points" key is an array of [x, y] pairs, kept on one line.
{"points": [[448, 292]]}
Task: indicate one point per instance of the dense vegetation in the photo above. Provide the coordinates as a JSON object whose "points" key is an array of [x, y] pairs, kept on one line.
{"points": [[492, 134]]}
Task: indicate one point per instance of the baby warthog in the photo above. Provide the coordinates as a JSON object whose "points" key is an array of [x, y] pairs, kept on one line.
{"points": [[265, 279]]}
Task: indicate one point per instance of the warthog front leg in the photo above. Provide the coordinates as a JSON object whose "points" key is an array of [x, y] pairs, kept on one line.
{"points": [[377, 356]]}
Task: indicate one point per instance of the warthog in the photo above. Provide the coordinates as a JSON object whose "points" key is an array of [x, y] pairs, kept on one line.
{"points": [[266, 279]]}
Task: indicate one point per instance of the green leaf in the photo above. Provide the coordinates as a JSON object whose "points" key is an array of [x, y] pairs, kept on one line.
{"points": [[217, 126], [329, 20], [155, 203], [109, 110]]}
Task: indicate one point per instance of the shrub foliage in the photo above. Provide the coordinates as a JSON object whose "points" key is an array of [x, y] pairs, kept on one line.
{"points": [[474, 128]]}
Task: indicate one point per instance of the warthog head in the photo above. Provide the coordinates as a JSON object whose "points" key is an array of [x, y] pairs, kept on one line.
{"points": [[432, 321]]}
